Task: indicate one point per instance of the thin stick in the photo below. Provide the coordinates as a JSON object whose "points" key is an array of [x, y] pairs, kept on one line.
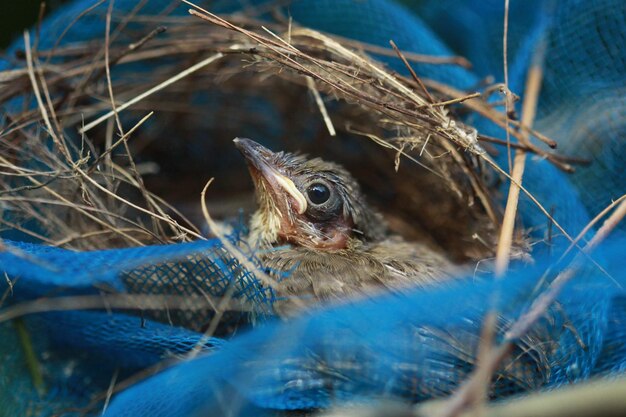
{"points": [[413, 74], [564, 158], [485, 110], [126, 135], [608, 226], [592, 223], [68, 27], [69, 239], [320, 105], [236, 252], [133, 168], [74, 206], [480, 388], [60, 201], [505, 241], [44, 113], [457, 100], [531, 98], [109, 393], [30, 357], [399, 150], [220, 309], [506, 79], [461, 61], [476, 392], [135, 206], [590, 399], [153, 90], [112, 301]]}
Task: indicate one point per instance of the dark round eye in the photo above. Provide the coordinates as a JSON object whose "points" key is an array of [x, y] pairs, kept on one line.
{"points": [[318, 193]]}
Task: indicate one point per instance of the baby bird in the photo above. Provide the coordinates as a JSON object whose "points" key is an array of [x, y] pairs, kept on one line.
{"points": [[315, 229], [314, 225]]}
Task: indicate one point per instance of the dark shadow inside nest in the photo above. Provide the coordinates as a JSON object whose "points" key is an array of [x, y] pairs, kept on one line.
{"points": [[193, 144]]}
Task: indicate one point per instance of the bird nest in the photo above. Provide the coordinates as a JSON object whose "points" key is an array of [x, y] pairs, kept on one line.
{"points": [[108, 142]]}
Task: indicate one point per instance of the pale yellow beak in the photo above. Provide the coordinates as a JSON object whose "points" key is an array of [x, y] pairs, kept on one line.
{"points": [[258, 157]]}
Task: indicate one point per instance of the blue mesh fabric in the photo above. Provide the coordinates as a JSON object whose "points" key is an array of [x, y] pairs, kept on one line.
{"points": [[382, 348], [581, 104]]}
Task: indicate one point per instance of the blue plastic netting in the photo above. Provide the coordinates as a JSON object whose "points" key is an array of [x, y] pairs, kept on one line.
{"points": [[388, 347]]}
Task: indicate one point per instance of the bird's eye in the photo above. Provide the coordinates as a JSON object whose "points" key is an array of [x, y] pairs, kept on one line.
{"points": [[318, 193]]}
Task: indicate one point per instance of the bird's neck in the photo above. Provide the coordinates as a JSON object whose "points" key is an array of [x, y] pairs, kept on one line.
{"points": [[264, 229]]}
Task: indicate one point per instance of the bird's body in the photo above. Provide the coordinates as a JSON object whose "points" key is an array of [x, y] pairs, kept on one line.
{"points": [[314, 226], [315, 276], [317, 236]]}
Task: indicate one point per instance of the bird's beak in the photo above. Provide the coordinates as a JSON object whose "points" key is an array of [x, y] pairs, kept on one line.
{"points": [[259, 160]]}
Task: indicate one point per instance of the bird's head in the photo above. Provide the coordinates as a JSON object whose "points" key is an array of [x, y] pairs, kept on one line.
{"points": [[306, 202]]}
